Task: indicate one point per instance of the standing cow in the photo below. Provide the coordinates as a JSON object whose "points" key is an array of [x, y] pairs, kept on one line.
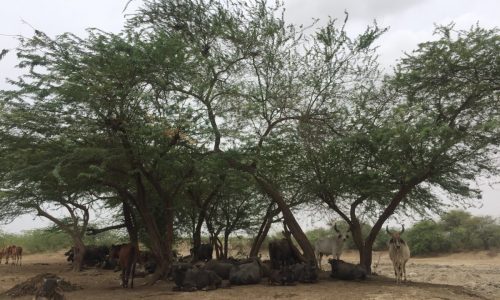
{"points": [[17, 255], [399, 252], [331, 245], [127, 255], [11, 252], [3, 252], [202, 253], [281, 254]]}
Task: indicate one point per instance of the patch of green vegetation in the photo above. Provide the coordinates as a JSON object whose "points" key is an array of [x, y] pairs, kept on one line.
{"points": [[49, 239]]}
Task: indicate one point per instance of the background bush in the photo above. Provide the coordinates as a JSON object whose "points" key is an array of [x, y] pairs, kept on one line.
{"points": [[454, 231], [48, 239]]}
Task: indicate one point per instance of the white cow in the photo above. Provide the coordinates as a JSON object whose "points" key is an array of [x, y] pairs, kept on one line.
{"points": [[399, 252], [330, 245]]}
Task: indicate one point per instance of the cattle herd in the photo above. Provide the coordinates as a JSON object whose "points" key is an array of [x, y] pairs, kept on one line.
{"points": [[12, 252], [198, 271]]}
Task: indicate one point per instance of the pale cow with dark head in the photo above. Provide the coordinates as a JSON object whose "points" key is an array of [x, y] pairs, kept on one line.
{"points": [[399, 252]]}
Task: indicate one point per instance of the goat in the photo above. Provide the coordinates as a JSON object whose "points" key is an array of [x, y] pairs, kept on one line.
{"points": [[399, 252], [330, 245]]}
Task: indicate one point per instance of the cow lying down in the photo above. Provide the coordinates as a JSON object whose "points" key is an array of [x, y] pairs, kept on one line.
{"points": [[346, 271], [191, 278], [289, 275], [247, 273]]}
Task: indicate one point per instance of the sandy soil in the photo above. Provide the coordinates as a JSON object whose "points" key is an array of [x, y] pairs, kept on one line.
{"points": [[458, 276]]}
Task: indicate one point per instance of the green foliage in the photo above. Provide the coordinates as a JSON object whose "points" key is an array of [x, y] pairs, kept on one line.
{"points": [[156, 114], [455, 231], [37, 240], [315, 234], [48, 239], [428, 237]]}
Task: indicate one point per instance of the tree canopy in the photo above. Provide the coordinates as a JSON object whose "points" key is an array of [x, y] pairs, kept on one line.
{"points": [[198, 111]]}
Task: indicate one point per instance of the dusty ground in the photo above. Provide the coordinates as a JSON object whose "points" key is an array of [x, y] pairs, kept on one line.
{"points": [[458, 276]]}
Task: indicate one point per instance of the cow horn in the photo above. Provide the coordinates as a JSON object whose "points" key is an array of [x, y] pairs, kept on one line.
{"points": [[402, 230], [387, 229], [335, 227]]}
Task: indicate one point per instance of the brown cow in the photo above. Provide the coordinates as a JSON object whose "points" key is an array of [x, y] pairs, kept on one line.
{"points": [[10, 251], [127, 256], [14, 252], [18, 255], [3, 252]]}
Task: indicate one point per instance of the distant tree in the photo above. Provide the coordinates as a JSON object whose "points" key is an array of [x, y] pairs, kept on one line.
{"points": [[483, 232], [238, 208], [455, 218], [428, 237]]}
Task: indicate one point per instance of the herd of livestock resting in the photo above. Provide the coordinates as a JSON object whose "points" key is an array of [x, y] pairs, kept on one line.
{"points": [[198, 271]]}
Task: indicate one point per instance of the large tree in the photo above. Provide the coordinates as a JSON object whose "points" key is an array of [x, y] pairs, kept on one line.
{"points": [[429, 129], [253, 78], [35, 178]]}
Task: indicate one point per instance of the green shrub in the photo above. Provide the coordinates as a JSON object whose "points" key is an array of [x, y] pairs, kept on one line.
{"points": [[428, 237], [48, 239], [37, 240]]}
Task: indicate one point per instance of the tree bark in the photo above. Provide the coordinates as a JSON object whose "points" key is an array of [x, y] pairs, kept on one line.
{"points": [[263, 231], [288, 217], [72, 230], [130, 223], [226, 244], [78, 253], [95, 231], [158, 245], [366, 257]]}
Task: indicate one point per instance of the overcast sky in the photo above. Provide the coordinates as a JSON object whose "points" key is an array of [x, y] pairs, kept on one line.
{"points": [[410, 22]]}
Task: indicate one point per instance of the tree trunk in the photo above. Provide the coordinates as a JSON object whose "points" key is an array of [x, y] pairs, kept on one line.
{"points": [[197, 233], [226, 244], [296, 253], [169, 215], [78, 253], [261, 235], [365, 257], [158, 245], [130, 223], [289, 219], [216, 243]]}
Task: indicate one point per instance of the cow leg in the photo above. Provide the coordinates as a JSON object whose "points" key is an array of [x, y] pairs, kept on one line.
{"points": [[316, 254], [132, 274], [400, 272], [124, 283], [127, 276], [320, 257], [404, 271]]}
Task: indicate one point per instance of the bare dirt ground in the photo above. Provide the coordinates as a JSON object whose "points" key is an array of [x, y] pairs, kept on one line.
{"points": [[458, 276]]}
